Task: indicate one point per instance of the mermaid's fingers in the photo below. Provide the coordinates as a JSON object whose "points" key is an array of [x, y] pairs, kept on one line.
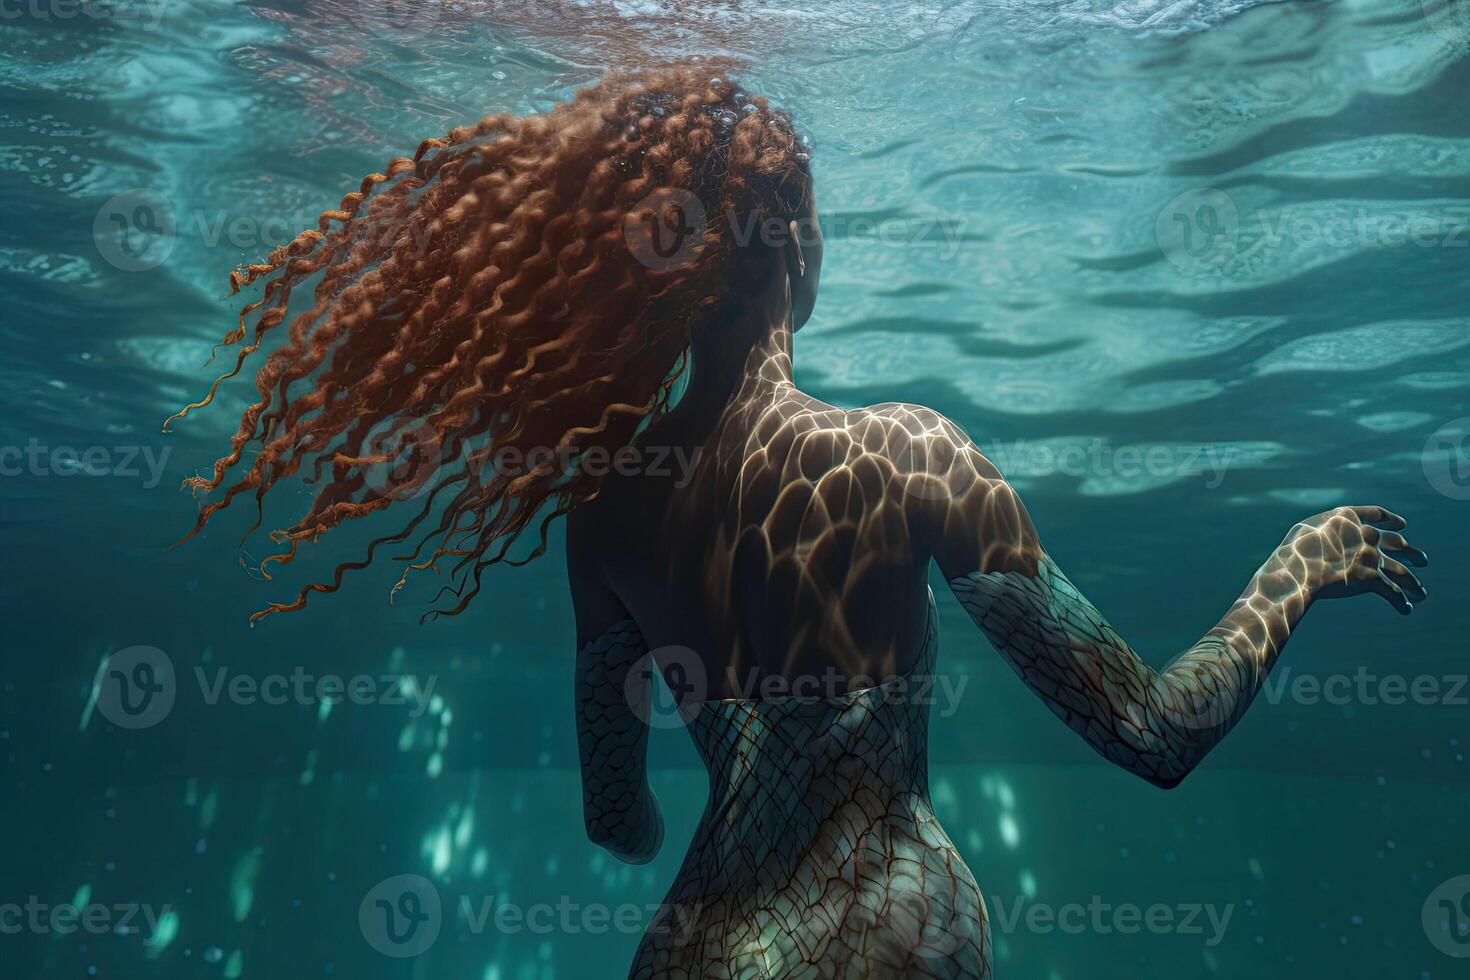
{"points": [[1395, 595], [1405, 580], [1373, 514], [1395, 542]]}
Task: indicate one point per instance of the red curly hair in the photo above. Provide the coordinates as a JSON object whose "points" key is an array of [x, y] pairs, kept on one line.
{"points": [[490, 295]]}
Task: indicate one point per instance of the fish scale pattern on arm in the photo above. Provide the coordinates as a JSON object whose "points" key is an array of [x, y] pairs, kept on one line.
{"points": [[1157, 725], [619, 808]]}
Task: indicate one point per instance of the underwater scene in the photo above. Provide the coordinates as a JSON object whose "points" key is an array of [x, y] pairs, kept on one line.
{"points": [[1185, 271]]}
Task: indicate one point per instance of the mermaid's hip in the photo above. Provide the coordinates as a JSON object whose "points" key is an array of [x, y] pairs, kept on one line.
{"points": [[893, 901]]}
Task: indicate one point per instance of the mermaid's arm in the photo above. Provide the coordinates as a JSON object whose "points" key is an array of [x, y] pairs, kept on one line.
{"points": [[618, 806], [619, 809], [1156, 724]]}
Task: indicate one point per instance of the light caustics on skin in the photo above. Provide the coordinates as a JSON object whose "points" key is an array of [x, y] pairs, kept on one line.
{"points": [[1158, 725], [801, 540], [819, 852]]}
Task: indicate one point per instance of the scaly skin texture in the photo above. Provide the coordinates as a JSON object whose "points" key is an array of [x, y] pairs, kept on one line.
{"points": [[798, 545], [1160, 724], [618, 806], [1156, 725], [819, 854]]}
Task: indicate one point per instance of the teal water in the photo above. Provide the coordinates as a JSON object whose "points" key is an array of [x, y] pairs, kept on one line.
{"points": [[1188, 272]]}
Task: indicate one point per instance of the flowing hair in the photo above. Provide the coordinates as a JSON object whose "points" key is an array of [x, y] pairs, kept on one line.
{"points": [[512, 292]]}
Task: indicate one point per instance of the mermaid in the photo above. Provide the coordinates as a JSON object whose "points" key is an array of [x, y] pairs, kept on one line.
{"points": [[520, 322]]}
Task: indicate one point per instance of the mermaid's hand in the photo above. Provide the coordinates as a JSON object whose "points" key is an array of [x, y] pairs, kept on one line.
{"points": [[1350, 551], [637, 836]]}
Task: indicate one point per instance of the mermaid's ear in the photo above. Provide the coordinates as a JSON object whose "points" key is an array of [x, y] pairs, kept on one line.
{"points": [[793, 245], [803, 250]]}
